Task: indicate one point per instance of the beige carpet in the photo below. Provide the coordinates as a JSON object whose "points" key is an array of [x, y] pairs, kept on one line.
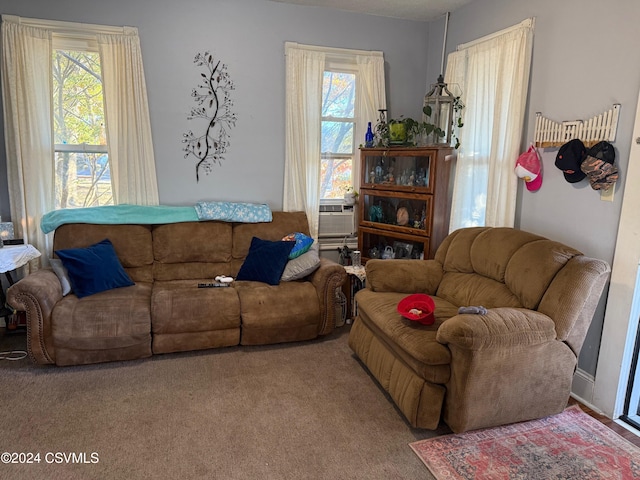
{"points": [[294, 411]]}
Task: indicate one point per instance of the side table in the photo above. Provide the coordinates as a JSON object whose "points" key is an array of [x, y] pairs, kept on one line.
{"points": [[13, 257], [356, 280]]}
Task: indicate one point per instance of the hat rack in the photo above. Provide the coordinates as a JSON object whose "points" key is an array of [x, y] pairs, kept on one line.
{"points": [[555, 134]]}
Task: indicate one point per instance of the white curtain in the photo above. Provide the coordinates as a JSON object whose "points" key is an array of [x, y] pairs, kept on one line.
{"points": [[493, 74], [304, 70], [28, 129], [371, 98], [128, 126], [305, 66], [28, 121]]}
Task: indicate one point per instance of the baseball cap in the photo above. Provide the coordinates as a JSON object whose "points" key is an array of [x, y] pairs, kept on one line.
{"points": [[598, 166], [570, 158], [529, 168]]}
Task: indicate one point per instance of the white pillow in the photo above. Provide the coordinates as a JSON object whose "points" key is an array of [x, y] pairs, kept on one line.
{"points": [[61, 273], [303, 265]]}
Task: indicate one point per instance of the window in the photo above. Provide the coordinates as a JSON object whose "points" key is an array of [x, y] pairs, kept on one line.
{"points": [[331, 95], [493, 74], [82, 174], [338, 126], [67, 79]]}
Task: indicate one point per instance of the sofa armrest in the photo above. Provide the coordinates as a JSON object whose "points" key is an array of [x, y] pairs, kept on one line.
{"points": [[500, 328], [327, 279], [404, 276], [37, 294]]}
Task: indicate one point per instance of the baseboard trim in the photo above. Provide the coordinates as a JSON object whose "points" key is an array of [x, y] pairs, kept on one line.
{"points": [[582, 389]]}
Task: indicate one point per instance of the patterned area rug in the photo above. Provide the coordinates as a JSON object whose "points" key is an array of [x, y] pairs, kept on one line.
{"points": [[570, 445]]}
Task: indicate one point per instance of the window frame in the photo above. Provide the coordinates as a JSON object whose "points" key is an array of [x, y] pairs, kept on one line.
{"points": [[342, 64], [81, 42]]}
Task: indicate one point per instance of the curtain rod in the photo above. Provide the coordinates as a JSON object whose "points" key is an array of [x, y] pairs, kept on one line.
{"points": [[67, 27], [528, 23], [332, 50]]}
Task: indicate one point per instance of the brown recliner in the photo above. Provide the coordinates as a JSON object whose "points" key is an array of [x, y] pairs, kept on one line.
{"points": [[512, 364]]}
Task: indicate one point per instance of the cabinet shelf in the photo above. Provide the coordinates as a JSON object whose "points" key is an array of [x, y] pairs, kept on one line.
{"points": [[374, 243], [396, 211]]}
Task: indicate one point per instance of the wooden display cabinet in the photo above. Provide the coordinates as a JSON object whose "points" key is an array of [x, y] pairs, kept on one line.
{"points": [[405, 201]]}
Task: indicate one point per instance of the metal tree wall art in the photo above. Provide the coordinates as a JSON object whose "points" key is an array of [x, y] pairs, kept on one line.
{"points": [[213, 99]]}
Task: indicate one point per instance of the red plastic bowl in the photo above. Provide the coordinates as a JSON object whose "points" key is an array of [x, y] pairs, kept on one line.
{"points": [[418, 301]]}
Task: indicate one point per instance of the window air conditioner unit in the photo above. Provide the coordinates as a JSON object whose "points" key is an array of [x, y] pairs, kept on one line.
{"points": [[336, 221]]}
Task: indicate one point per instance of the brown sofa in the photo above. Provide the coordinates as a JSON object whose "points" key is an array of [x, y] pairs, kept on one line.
{"points": [[165, 311], [514, 363]]}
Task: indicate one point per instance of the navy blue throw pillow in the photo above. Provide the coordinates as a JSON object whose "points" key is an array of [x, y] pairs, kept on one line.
{"points": [[94, 269], [265, 261]]}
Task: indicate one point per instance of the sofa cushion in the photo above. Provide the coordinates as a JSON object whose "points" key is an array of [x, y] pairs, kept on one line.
{"points": [[283, 223], [108, 320], [94, 269], [131, 242], [491, 251], [469, 289], [180, 306], [191, 250], [533, 267], [62, 274], [414, 343], [303, 243], [266, 261], [499, 267], [273, 314], [192, 242], [301, 266]]}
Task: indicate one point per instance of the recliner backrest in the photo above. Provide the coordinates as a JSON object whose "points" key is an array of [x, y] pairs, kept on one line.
{"points": [[499, 267]]}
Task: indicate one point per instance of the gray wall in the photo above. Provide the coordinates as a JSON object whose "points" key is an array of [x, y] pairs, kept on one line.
{"points": [[583, 63], [249, 36], [580, 68]]}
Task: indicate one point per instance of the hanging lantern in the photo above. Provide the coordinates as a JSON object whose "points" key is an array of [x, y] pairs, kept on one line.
{"points": [[439, 110]]}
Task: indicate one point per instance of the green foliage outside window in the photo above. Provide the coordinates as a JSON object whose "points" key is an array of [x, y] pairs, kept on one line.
{"points": [[82, 166]]}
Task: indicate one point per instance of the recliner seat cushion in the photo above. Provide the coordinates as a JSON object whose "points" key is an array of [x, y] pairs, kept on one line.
{"points": [[180, 306], [415, 343], [107, 320], [274, 314]]}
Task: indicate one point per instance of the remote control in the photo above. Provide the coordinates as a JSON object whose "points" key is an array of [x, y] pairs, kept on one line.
{"points": [[212, 285]]}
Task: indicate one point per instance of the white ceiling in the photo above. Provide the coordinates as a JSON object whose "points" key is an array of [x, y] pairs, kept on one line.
{"points": [[422, 10]]}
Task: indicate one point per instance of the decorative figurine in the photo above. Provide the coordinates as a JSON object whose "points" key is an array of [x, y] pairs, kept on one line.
{"points": [[402, 216]]}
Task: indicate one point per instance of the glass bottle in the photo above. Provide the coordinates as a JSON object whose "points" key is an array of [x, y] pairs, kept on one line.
{"points": [[368, 137]]}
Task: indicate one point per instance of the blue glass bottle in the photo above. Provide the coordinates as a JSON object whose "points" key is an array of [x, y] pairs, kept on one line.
{"points": [[368, 137]]}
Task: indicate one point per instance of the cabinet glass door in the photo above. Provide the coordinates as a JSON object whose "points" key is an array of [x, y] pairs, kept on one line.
{"points": [[397, 171], [408, 213], [386, 245]]}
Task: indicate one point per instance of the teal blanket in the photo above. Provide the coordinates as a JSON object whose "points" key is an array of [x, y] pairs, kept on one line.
{"points": [[126, 214]]}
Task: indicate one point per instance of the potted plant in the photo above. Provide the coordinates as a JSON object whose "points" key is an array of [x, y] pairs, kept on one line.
{"points": [[350, 196], [397, 131], [404, 131], [408, 131]]}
